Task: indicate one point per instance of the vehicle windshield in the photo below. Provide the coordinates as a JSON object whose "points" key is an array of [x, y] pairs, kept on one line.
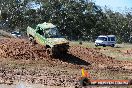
{"points": [[18, 33], [52, 33], [101, 38]]}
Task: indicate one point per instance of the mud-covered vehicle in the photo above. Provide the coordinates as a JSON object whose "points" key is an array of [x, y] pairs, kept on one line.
{"points": [[48, 35]]}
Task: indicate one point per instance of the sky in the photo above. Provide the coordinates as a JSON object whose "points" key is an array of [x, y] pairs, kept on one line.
{"points": [[115, 5]]}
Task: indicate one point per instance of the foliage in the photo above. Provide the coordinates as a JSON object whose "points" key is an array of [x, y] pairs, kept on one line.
{"points": [[77, 19]]}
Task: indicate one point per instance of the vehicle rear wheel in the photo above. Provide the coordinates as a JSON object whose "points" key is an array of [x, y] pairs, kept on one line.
{"points": [[112, 45], [104, 45], [31, 39]]}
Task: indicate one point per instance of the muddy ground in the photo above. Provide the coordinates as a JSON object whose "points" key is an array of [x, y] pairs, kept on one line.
{"points": [[22, 61]]}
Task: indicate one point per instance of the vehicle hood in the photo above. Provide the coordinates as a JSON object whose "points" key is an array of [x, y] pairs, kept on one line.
{"points": [[98, 41], [55, 41]]}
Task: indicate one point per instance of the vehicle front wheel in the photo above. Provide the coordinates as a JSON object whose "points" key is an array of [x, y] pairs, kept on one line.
{"points": [[49, 52]]}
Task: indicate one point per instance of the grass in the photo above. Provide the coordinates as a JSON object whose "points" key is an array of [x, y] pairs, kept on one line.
{"points": [[119, 54], [110, 51], [5, 34], [85, 44]]}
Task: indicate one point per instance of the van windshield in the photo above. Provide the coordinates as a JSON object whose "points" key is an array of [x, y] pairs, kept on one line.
{"points": [[102, 38]]}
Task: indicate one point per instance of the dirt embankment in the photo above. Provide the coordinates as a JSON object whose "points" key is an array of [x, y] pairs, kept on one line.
{"points": [[77, 55], [54, 68], [23, 49], [100, 61], [20, 49]]}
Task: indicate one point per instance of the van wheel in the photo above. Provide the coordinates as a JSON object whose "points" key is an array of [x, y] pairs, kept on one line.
{"points": [[112, 45], [104, 45], [96, 46]]}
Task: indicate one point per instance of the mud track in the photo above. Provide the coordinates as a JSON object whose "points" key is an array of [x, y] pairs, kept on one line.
{"points": [[77, 57]]}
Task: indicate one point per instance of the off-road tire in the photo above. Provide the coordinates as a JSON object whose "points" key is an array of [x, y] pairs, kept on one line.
{"points": [[31, 39], [112, 45], [65, 52], [49, 52], [104, 45], [96, 45]]}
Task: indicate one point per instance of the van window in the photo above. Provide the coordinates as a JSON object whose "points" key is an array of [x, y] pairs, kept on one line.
{"points": [[112, 38], [108, 38], [105, 39], [102, 38]]}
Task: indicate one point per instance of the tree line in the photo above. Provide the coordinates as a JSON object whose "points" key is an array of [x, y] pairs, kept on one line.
{"points": [[76, 19]]}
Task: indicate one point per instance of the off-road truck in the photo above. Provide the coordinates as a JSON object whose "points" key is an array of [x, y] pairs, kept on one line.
{"points": [[47, 34]]}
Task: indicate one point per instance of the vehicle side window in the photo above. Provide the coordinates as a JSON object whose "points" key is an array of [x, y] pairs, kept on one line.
{"points": [[108, 38], [105, 39], [40, 31], [112, 39]]}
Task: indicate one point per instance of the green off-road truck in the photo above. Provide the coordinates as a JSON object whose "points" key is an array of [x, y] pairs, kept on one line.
{"points": [[48, 35]]}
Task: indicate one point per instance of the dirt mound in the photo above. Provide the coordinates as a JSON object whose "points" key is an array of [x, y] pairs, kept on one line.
{"points": [[91, 55], [63, 70], [23, 49], [20, 49], [99, 60]]}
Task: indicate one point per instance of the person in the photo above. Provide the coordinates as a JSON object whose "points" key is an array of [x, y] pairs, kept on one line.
{"points": [[85, 78]]}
